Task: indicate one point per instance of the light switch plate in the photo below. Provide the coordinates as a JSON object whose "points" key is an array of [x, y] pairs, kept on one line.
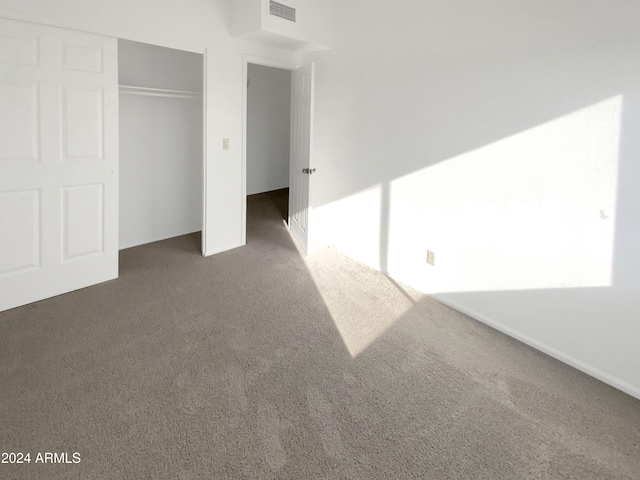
{"points": [[431, 257]]}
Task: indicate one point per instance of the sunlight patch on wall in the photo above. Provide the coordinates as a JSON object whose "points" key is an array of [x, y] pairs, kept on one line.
{"points": [[534, 210], [352, 225]]}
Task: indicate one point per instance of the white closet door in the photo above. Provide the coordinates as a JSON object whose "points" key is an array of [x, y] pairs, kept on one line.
{"points": [[58, 161]]}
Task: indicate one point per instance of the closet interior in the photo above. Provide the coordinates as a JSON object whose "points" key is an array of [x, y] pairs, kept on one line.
{"points": [[161, 142]]}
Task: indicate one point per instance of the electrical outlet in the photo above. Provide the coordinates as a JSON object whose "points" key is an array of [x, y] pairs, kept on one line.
{"points": [[225, 144], [431, 257]]}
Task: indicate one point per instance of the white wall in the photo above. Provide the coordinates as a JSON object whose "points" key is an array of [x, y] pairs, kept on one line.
{"points": [[313, 25], [141, 64], [314, 21], [502, 136], [160, 168], [192, 25], [268, 113], [161, 142]]}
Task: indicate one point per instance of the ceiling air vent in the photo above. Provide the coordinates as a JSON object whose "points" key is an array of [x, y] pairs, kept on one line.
{"points": [[282, 11]]}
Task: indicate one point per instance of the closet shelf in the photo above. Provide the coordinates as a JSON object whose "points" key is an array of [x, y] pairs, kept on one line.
{"points": [[158, 92]]}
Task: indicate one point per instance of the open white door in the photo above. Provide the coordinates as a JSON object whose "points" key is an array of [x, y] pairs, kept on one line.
{"points": [[58, 161], [300, 163]]}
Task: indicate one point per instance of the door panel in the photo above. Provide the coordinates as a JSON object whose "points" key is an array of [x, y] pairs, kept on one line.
{"points": [[58, 161], [20, 227], [82, 123], [301, 134], [19, 121], [83, 221], [18, 48], [82, 57]]}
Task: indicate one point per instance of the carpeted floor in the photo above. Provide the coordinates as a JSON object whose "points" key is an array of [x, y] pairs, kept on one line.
{"points": [[257, 364]]}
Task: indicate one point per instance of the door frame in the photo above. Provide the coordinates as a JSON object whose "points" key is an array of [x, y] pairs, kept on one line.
{"points": [[203, 233], [265, 62]]}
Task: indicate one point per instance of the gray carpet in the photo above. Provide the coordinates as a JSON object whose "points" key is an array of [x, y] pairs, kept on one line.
{"points": [[258, 364]]}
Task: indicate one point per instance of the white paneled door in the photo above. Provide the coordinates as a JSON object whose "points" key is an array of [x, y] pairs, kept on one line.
{"points": [[300, 158], [58, 161]]}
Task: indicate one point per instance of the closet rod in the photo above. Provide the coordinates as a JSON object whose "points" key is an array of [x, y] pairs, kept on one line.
{"points": [[158, 92]]}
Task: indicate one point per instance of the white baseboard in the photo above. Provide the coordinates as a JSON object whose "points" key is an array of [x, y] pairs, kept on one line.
{"points": [[552, 352]]}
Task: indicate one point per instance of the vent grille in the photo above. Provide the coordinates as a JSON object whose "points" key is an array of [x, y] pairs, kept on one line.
{"points": [[282, 11]]}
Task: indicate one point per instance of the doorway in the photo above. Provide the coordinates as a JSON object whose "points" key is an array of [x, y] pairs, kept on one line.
{"points": [[267, 143], [252, 167], [268, 128], [161, 143], [300, 158]]}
